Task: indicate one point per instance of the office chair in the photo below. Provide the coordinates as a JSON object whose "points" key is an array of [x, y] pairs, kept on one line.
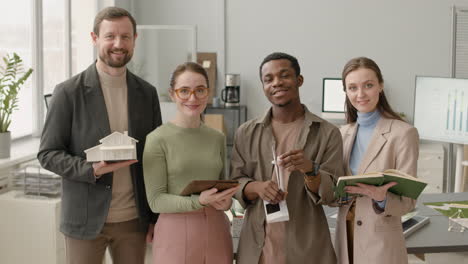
{"points": [[47, 98]]}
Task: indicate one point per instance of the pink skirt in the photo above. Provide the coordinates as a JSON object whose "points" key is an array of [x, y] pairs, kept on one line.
{"points": [[198, 237]]}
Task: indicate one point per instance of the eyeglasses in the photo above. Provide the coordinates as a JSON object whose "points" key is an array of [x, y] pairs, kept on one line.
{"points": [[185, 93]]}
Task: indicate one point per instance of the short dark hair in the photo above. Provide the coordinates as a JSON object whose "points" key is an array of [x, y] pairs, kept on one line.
{"points": [[110, 13], [281, 56]]}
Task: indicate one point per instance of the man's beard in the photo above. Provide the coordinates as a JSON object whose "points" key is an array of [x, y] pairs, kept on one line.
{"points": [[115, 63]]}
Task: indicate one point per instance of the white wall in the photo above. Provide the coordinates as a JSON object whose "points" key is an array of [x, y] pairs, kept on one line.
{"points": [[207, 15], [406, 38]]}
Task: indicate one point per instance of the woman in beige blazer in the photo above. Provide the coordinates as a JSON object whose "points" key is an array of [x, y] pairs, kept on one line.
{"points": [[375, 139]]}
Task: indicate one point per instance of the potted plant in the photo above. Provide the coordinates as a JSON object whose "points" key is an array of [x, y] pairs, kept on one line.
{"points": [[12, 77]]}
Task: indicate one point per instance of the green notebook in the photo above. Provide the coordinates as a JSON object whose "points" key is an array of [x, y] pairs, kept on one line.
{"points": [[408, 185]]}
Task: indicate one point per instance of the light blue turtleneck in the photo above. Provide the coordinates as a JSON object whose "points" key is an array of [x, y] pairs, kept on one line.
{"points": [[366, 124]]}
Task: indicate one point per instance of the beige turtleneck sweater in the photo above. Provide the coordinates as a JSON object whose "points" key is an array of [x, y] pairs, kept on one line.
{"points": [[114, 88]]}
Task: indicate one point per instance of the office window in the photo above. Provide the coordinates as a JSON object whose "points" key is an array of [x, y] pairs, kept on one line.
{"points": [[54, 43], [61, 47], [82, 18], [15, 36]]}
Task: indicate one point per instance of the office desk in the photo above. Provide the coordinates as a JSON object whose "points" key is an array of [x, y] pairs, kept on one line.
{"points": [[433, 237]]}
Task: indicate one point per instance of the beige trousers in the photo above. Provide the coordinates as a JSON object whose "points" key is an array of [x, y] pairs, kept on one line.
{"points": [[126, 244]]}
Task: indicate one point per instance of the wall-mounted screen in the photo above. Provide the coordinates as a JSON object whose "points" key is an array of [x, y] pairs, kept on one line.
{"points": [[333, 97], [441, 109]]}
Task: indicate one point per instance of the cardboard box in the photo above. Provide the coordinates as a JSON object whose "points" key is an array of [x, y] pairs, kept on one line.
{"points": [[208, 61], [216, 121]]}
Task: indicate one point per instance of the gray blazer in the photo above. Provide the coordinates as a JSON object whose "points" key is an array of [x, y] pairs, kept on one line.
{"points": [[76, 120]]}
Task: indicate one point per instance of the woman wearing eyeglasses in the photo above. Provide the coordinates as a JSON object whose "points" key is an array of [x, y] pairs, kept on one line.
{"points": [[190, 229]]}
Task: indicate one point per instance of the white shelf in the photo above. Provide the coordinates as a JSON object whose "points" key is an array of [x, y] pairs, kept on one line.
{"points": [[30, 230], [22, 150]]}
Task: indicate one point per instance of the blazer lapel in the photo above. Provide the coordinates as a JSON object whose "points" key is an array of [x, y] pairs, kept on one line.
{"points": [[348, 141], [94, 100], [376, 144]]}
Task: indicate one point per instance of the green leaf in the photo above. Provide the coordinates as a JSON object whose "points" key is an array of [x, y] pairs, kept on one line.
{"points": [[12, 78]]}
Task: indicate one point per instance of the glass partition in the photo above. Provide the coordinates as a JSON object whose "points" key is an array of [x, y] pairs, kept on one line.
{"points": [[158, 50]]}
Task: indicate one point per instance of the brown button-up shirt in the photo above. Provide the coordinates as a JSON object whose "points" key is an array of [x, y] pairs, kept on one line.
{"points": [[307, 237]]}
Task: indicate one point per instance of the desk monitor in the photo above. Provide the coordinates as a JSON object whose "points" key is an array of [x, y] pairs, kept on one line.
{"points": [[333, 99], [441, 109]]}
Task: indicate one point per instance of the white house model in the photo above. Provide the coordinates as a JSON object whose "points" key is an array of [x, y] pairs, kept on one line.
{"points": [[116, 146]]}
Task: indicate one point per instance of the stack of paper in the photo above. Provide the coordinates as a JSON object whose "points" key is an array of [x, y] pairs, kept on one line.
{"points": [[38, 181]]}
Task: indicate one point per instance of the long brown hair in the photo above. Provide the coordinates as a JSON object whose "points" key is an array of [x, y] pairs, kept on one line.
{"points": [[383, 106]]}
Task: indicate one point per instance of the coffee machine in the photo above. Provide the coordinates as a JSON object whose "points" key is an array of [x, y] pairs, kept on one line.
{"points": [[231, 94]]}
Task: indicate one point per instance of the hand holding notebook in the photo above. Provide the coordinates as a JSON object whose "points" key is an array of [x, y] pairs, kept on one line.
{"points": [[377, 193], [198, 186], [407, 185], [218, 200]]}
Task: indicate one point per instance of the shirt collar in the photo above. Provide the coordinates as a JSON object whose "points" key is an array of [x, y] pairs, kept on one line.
{"points": [[309, 118]]}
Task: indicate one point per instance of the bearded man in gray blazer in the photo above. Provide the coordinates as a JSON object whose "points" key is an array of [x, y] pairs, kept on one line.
{"points": [[103, 204]]}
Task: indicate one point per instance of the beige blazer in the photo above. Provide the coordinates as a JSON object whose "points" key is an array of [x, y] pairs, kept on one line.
{"points": [[378, 237]]}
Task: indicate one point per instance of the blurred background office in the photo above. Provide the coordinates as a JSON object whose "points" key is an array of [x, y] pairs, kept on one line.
{"points": [[407, 38]]}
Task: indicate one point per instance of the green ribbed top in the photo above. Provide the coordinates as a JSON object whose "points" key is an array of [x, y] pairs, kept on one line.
{"points": [[173, 157]]}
